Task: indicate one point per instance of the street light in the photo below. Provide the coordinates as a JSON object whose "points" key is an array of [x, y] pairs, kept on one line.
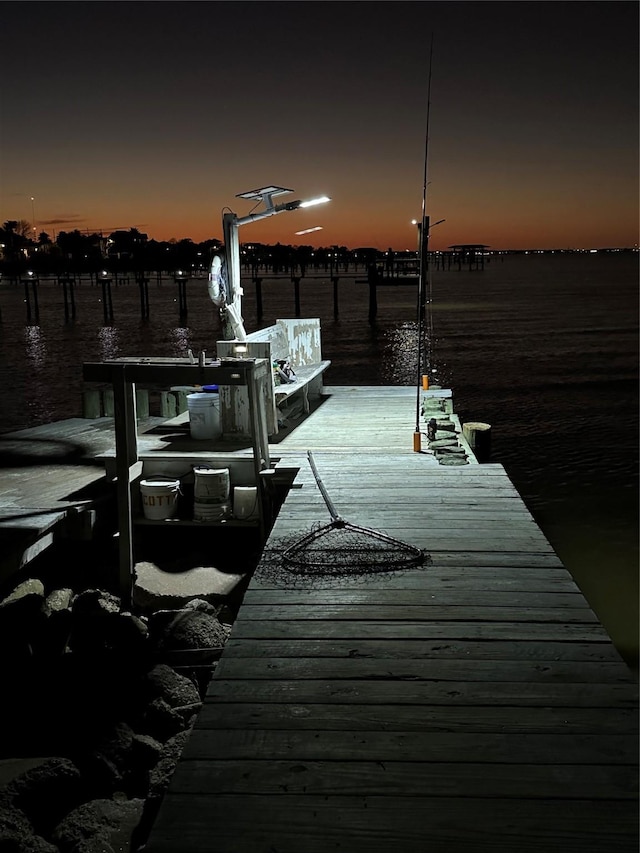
{"points": [[33, 217], [227, 294]]}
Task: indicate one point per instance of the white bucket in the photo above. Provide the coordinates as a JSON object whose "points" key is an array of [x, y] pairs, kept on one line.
{"points": [[211, 512], [211, 489], [159, 497], [211, 485], [245, 503], [204, 415]]}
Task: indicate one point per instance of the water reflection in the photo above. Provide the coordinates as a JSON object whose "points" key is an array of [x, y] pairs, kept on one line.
{"points": [[108, 340], [35, 347], [181, 340], [400, 364]]}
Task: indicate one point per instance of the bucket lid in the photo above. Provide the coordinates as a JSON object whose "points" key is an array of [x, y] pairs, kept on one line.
{"points": [[199, 397], [210, 389], [161, 482]]}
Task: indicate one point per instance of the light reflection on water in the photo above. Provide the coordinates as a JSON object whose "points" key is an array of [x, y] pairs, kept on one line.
{"points": [[181, 340], [108, 338], [35, 347]]}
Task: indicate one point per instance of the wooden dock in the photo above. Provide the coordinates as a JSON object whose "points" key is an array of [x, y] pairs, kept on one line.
{"points": [[473, 703]]}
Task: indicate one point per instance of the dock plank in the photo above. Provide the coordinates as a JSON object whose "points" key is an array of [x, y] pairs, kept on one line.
{"points": [[375, 824], [472, 703]]}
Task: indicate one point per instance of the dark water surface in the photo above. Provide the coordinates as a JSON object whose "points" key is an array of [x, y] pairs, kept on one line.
{"points": [[542, 347]]}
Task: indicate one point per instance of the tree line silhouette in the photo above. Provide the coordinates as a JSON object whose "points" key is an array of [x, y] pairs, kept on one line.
{"points": [[132, 251]]}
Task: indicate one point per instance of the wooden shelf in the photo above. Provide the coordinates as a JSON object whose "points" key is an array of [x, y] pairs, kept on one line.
{"points": [[190, 522], [123, 374]]}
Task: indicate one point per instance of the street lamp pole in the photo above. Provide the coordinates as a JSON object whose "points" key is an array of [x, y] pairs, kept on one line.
{"points": [[225, 289], [33, 219]]}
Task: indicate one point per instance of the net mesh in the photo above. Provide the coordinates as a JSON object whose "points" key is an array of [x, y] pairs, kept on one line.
{"points": [[341, 547]]}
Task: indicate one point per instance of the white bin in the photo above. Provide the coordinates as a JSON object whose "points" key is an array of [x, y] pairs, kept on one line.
{"points": [[204, 415], [159, 497]]}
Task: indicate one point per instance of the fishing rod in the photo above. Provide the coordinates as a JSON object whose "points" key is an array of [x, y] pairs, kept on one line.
{"points": [[422, 255]]}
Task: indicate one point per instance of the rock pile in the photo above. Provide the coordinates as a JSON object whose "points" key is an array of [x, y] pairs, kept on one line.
{"points": [[442, 434], [95, 717]]}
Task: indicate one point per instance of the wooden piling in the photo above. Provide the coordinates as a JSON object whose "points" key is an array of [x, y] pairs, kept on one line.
{"points": [[91, 404], [258, 284], [372, 277], [143, 284], [334, 280], [478, 436], [181, 281], [68, 296], [296, 294], [107, 304], [31, 289]]}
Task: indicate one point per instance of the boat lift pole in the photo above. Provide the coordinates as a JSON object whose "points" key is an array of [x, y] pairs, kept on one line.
{"points": [[227, 294]]}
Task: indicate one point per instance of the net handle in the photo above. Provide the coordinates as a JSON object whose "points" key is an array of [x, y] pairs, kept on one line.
{"points": [[323, 491]]}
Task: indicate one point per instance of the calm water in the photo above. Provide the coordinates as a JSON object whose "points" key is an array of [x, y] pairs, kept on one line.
{"points": [[543, 347]]}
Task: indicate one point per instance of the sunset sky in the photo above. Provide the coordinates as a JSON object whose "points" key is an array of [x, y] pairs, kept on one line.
{"points": [[155, 115]]}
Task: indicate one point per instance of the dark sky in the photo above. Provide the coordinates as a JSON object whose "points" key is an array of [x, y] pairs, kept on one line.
{"points": [[157, 114]]}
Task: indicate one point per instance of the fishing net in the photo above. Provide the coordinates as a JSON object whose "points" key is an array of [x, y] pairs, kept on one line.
{"points": [[340, 547]]}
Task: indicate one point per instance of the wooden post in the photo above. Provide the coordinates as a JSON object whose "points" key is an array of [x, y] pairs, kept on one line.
{"points": [[478, 436], [107, 304], [372, 276], [296, 294], [66, 301], [335, 280], [27, 299], [91, 404], [168, 405], [126, 456], [72, 296], [143, 284], [258, 283]]}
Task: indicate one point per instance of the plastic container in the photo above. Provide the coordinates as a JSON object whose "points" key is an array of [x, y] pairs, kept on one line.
{"points": [[211, 490], [204, 415], [159, 497], [211, 485], [245, 503]]}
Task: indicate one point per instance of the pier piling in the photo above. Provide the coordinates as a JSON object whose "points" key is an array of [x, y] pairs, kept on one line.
{"points": [[296, 294], [143, 284], [334, 281], [258, 284]]}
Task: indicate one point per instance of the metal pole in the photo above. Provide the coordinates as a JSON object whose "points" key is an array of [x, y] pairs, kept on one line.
{"points": [[424, 243]]}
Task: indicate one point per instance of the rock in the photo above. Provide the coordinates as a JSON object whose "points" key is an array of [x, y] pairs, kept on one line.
{"points": [[453, 460], [57, 600], [47, 792], [54, 637], [99, 626], [163, 722], [21, 620], [100, 826], [95, 602], [190, 629], [27, 589], [146, 751], [443, 442], [107, 766], [163, 771], [14, 824], [175, 689]]}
